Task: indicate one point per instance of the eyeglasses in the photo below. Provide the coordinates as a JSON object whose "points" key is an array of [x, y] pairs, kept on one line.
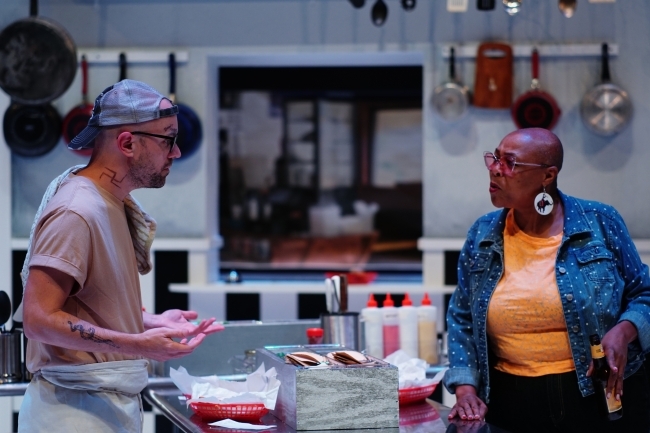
{"points": [[507, 162], [171, 139]]}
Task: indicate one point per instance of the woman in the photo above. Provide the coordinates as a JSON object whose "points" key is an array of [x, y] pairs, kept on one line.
{"points": [[536, 279]]}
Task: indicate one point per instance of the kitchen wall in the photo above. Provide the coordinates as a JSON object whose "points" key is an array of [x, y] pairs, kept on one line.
{"points": [[608, 169]]}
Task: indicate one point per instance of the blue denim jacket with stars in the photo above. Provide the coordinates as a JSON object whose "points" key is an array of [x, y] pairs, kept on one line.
{"points": [[600, 277]]}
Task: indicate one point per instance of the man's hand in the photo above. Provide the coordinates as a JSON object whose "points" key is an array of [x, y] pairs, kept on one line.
{"points": [[158, 343], [468, 406], [181, 320], [615, 347]]}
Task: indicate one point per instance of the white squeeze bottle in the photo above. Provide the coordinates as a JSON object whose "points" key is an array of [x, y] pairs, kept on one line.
{"points": [[372, 320], [408, 327], [390, 328], [427, 333]]}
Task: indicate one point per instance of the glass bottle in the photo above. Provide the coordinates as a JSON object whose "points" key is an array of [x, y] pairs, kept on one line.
{"points": [[610, 407]]}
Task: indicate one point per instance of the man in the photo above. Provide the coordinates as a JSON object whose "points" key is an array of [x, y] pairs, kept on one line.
{"points": [[82, 312]]}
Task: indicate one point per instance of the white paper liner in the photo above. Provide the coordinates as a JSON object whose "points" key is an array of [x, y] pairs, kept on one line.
{"points": [[228, 423], [412, 371], [261, 386]]}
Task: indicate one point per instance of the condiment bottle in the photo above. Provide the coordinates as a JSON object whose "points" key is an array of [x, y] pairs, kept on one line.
{"points": [[390, 326], [427, 333], [315, 335], [610, 407], [408, 327], [372, 323]]}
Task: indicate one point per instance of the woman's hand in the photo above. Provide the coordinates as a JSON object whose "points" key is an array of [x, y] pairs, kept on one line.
{"points": [[615, 347], [468, 406]]}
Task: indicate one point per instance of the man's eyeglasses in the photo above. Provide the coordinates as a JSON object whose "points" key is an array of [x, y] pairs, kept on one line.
{"points": [[171, 139], [507, 162]]}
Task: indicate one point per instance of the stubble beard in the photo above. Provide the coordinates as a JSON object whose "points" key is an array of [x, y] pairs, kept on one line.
{"points": [[144, 175]]}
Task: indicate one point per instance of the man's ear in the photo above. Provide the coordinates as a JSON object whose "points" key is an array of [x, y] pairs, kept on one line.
{"points": [[125, 141]]}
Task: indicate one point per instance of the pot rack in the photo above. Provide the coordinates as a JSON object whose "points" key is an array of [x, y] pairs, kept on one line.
{"points": [[468, 51], [132, 56]]}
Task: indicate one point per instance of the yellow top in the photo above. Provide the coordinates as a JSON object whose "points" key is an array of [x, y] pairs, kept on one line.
{"points": [[525, 322]]}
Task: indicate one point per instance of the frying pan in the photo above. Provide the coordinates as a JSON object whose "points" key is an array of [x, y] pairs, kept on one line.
{"points": [[31, 130], [77, 119], [190, 132], [606, 109], [450, 100], [38, 59], [37, 64], [535, 108]]}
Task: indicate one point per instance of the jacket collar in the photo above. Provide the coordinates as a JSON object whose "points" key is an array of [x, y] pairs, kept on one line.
{"points": [[575, 222]]}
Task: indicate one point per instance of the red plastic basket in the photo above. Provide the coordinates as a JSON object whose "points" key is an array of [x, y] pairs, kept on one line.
{"points": [[418, 393], [234, 411]]}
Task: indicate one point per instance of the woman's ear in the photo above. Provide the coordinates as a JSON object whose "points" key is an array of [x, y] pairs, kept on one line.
{"points": [[550, 175], [125, 141]]}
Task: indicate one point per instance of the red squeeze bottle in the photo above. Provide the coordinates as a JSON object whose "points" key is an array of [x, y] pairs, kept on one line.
{"points": [[390, 322], [315, 335]]}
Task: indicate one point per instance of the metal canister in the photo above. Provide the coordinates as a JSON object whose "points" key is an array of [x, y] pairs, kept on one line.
{"points": [[341, 328], [10, 363]]}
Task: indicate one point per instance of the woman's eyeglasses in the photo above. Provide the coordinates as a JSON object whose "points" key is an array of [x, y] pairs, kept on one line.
{"points": [[171, 139], [507, 162]]}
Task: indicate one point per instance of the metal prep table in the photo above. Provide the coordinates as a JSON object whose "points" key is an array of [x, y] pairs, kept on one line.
{"points": [[164, 396]]}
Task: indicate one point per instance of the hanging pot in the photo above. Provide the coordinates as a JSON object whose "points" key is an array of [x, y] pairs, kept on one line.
{"points": [[31, 130], [535, 108], [606, 109], [38, 59], [190, 132], [77, 119], [450, 100]]}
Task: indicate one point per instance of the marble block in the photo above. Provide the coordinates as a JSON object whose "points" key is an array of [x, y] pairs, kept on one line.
{"points": [[350, 397]]}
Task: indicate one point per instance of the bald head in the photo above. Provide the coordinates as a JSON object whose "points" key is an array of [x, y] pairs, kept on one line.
{"points": [[541, 143]]}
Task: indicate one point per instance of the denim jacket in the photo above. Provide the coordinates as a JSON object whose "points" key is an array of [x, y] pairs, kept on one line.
{"points": [[599, 274]]}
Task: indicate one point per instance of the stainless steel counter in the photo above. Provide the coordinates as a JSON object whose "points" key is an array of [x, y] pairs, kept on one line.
{"points": [[13, 389], [429, 415]]}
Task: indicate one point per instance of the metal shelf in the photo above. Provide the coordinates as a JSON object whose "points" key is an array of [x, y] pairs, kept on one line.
{"points": [[132, 56], [468, 51]]}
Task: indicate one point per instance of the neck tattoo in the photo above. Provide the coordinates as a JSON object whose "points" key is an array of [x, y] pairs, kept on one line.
{"points": [[111, 175]]}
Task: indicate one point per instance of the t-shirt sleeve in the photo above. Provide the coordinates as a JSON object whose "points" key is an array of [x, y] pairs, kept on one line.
{"points": [[62, 241]]}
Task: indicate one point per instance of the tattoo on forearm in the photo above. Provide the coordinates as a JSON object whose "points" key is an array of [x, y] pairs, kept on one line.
{"points": [[112, 174], [90, 335]]}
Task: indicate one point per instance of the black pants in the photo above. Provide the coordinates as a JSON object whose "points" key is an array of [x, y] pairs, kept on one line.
{"points": [[553, 404]]}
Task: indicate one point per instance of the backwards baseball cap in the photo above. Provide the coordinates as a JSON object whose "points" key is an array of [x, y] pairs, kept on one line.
{"points": [[123, 103]]}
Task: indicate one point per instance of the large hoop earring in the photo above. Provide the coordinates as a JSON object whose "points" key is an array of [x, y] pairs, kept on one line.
{"points": [[543, 203]]}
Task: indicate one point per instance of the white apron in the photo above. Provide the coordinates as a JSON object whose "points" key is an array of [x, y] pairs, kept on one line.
{"points": [[98, 398]]}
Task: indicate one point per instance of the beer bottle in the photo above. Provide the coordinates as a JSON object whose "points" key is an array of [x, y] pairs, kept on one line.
{"points": [[611, 407]]}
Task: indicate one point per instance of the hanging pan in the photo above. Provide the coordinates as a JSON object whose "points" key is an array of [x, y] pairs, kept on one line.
{"points": [[535, 108], [77, 119], [190, 132], [38, 59], [606, 109], [31, 130], [450, 100]]}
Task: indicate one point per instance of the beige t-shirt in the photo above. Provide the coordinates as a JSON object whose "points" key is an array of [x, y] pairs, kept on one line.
{"points": [[83, 232]]}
